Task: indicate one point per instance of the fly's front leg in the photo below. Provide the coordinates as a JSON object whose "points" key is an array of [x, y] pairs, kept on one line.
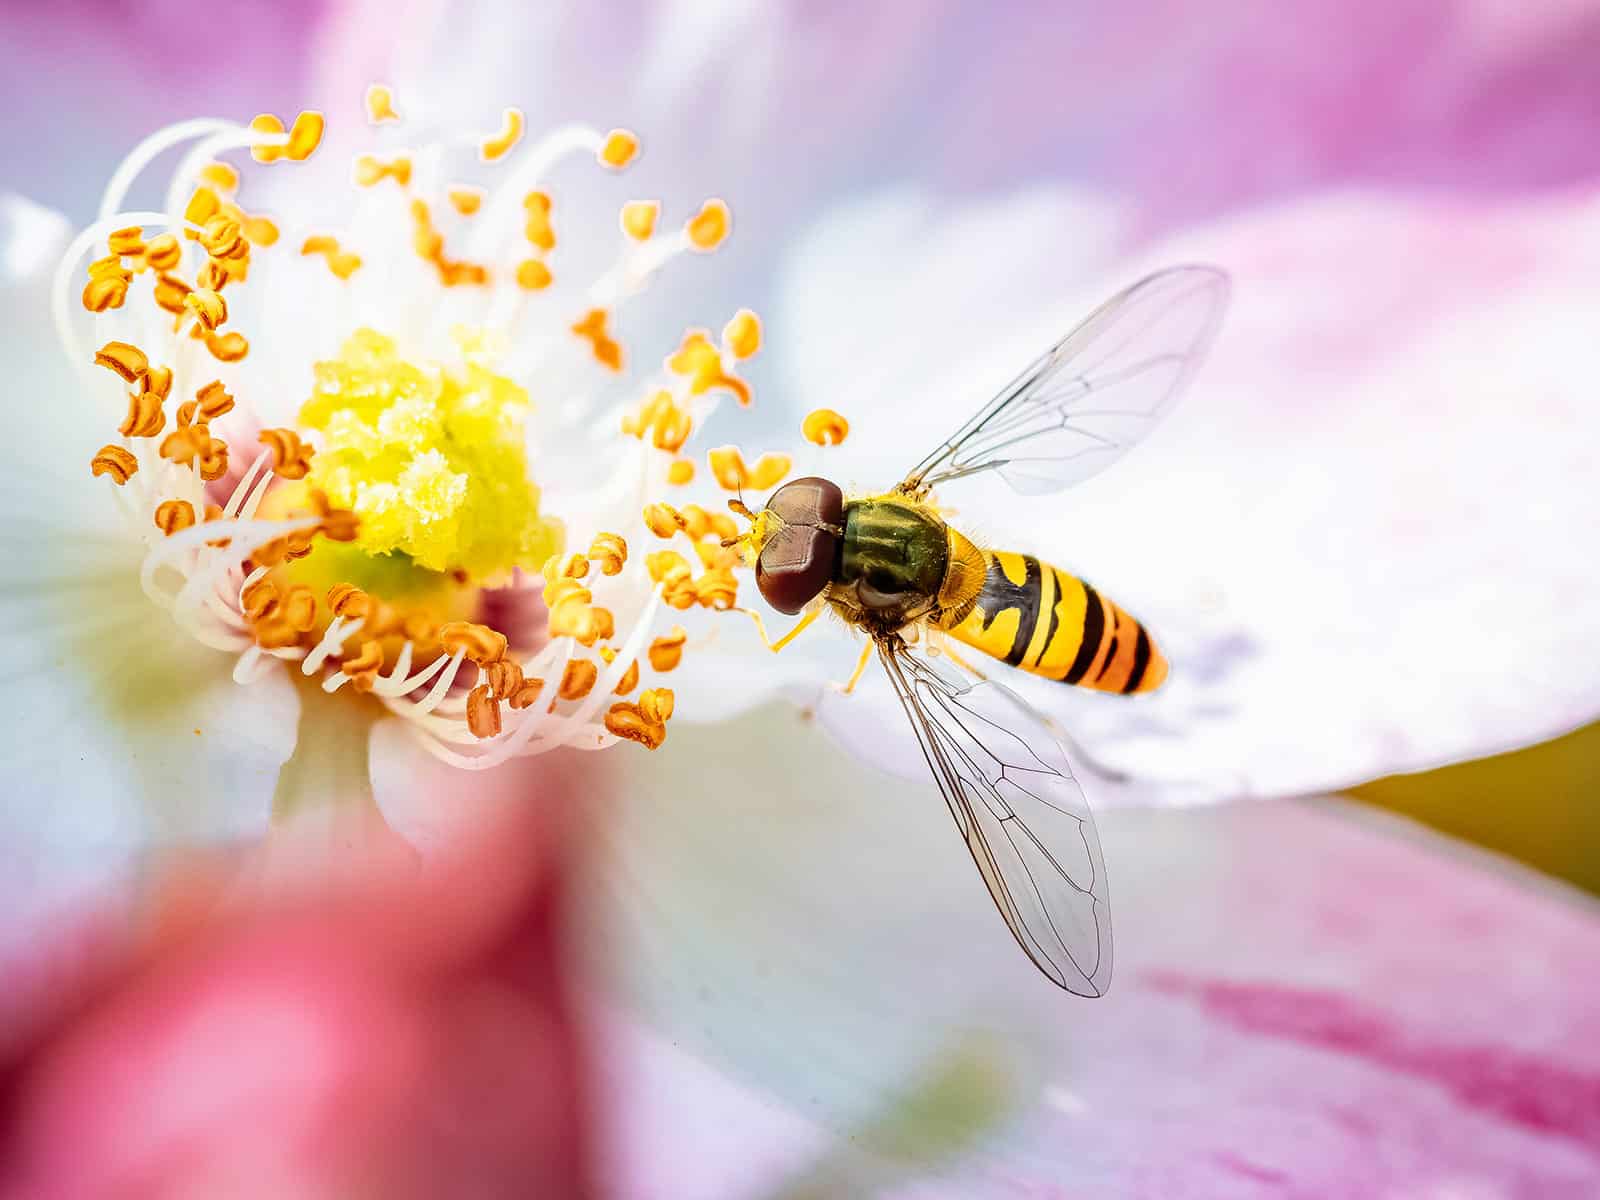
{"points": [[844, 689], [775, 646]]}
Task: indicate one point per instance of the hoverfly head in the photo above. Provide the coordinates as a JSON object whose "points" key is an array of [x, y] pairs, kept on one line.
{"points": [[795, 541]]}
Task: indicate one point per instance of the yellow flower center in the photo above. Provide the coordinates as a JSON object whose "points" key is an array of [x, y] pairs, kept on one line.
{"points": [[430, 458]]}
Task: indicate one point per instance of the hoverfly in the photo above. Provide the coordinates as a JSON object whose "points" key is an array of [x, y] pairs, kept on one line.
{"points": [[892, 567]]}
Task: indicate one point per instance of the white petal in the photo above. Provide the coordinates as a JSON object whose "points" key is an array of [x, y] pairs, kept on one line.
{"points": [[118, 731], [1340, 1003], [1358, 536]]}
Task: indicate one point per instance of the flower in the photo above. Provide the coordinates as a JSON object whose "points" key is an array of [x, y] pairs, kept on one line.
{"points": [[389, 461], [322, 1043]]}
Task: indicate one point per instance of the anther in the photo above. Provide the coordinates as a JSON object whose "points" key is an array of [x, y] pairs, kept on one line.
{"points": [[666, 652], [824, 427], [619, 149], [127, 361], [483, 712], [116, 462], [173, 516], [499, 144], [708, 228], [578, 680], [639, 219]]}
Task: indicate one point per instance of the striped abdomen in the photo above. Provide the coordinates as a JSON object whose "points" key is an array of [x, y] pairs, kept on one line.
{"points": [[1050, 623]]}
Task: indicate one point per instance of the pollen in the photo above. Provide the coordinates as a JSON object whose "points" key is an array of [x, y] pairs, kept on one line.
{"points": [[639, 219], [681, 472], [478, 642], [173, 516], [380, 104], [824, 427], [609, 552], [483, 712], [145, 418], [666, 652], [728, 468], [533, 275], [619, 149], [268, 124], [498, 144], [432, 459], [291, 457], [662, 520], [709, 227], [465, 200], [742, 335], [578, 680], [227, 347], [208, 307], [115, 462], [126, 360], [701, 364], [342, 263], [536, 225], [626, 721], [162, 253], [592, 328], [369, 170]]}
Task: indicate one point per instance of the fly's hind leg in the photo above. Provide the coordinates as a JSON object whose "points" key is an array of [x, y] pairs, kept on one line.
{"points": [[800, 627], [844, 689]]}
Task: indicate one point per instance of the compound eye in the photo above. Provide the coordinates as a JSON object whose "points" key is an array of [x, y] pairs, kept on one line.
{"points": [[809, 500], [795, 565]]}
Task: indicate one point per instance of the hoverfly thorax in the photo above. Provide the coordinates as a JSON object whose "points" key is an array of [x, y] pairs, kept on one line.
{"points": [[798, 538]]}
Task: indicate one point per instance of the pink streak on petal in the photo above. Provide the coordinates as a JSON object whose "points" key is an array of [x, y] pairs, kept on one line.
{"points": [[1530, 1090]]}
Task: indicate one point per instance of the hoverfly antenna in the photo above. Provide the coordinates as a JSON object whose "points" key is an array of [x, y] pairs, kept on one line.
{"points": [[738, 505]]}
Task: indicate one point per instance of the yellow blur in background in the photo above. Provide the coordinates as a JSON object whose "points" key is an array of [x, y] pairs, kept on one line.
{"points": [[1536, 805]]}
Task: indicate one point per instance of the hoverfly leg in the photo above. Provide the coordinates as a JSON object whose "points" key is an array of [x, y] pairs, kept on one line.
{"points": [[844, 689], [943, 646], [775, 646]]}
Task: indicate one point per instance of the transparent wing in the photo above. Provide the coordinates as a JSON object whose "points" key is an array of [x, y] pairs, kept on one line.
{"points": [[1008, 785], [1093, 394]]}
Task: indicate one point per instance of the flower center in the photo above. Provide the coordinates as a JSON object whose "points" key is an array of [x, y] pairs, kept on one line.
{"points": [[431, 460], [368, 517]]}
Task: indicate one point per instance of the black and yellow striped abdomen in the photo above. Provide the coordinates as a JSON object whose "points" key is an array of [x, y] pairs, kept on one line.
{"points": [[1050, 623]]}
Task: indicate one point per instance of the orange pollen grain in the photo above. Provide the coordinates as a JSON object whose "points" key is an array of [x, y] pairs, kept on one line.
{"points": [[824, 427], [536, 227], [578, 680], [158, 382], [173, 516], [145, 418], [214, 400], [666, 652], [681, 472], [483, 712], [227, 347], [662, 519], [370, 170], [504, 678], [116, 462], [127, 242], [626, 721], [208, 306], [619, 149], [629, 680], [305, 136], [497, 145], [655, 704], [729, 470], [266, 123], [162, 253], [127, 361], [639, 219], [380, 104], [481, 644], [533, 275], [742, 335], [610, 552], [465, 200], [709, 227], [291, 458], [701, 363], [220, 177], [103, 292], [592, 328]]}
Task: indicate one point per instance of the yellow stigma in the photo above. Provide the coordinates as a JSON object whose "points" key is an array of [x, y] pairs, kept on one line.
{"points": [[430, 458]]}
